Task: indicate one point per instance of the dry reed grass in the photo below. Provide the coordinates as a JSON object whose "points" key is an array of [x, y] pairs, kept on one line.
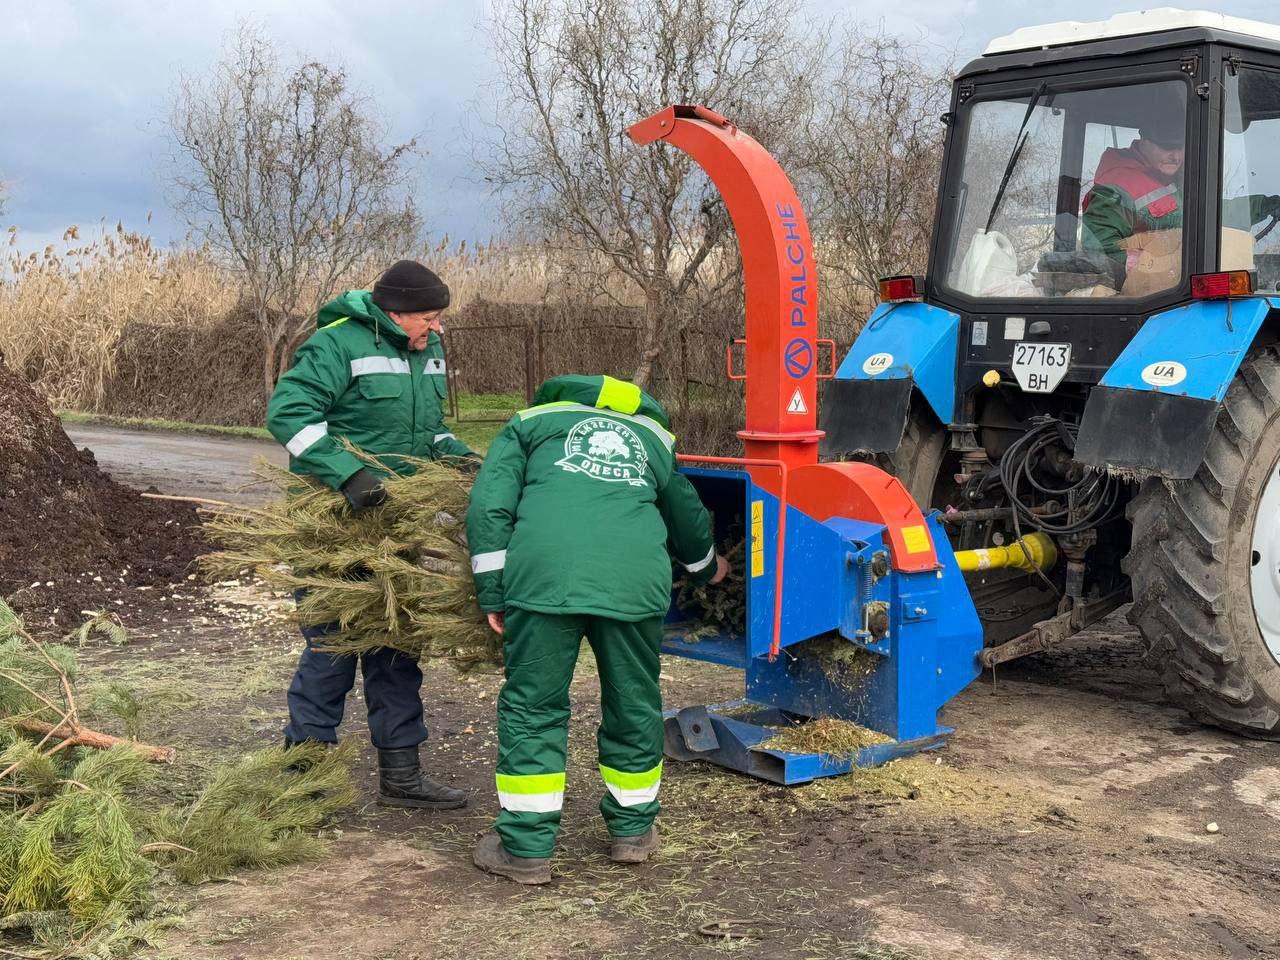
{"points": [[110, 323], [62, 313], [65, 310]]}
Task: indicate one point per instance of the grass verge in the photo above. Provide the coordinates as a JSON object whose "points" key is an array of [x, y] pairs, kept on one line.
{"points": [[477, 435], [172, 426]]}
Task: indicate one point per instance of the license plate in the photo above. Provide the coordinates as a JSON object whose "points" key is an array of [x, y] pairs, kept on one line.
{"points": [[1040, 367]]}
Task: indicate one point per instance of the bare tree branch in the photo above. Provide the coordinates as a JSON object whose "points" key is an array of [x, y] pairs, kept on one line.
{"points": [[575, 73], [287, 175]]}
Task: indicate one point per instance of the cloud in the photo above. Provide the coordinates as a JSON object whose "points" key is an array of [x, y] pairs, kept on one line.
{"points": [[87, 87]]}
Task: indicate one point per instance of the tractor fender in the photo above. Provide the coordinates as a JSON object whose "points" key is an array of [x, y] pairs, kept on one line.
{"points": [[1154, 410], [903, 346]]}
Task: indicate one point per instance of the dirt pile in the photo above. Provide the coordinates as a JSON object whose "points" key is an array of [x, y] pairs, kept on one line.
{"points": [[71, 539]]}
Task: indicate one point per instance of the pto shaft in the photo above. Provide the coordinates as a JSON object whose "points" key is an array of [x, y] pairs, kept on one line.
{"points": [[1035, 551]]}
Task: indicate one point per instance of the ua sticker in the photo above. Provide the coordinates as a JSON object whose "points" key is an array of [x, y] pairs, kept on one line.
{"points": [[605, 449], [1164, 373], [877, 363], [797, 404]]}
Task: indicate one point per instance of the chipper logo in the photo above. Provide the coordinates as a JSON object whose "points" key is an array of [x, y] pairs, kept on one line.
{"points": [[604, 449]]}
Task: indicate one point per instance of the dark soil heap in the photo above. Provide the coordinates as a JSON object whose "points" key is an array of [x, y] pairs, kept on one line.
{"points": [[71, 539]]}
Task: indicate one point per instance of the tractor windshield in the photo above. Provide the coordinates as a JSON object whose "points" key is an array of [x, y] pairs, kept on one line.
{"points": [[1069, 193]]}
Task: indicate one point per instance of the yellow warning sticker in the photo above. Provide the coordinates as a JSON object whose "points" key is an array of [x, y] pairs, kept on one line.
{"points": [[757, 538], [916, 538]]}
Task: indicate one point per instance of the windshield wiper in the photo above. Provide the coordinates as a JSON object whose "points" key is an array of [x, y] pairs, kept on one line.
{"points": [[1019, 142]]}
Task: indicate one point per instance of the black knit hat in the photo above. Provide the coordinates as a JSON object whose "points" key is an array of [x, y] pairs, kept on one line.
{"points": [[409, 287]]}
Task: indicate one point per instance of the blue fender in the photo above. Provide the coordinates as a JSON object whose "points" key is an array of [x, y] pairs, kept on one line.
{"points": [[904, 346], [1154, 411]]}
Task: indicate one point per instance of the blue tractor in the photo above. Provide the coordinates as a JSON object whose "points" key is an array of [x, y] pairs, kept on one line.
{"points": [[1094, 352]]}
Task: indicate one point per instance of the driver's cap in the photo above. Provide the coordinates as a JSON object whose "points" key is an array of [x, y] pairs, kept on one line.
{"points": [[1167, 130]]}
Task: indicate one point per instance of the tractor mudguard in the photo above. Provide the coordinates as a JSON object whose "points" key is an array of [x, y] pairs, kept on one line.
{"points": [[1153, 413], [903, 346]]}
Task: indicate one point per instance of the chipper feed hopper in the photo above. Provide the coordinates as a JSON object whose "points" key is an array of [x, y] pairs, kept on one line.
{"points": [[836, 553]]}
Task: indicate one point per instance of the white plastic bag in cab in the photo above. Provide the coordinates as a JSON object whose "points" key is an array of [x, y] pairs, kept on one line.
{"points": [[990, 264]]}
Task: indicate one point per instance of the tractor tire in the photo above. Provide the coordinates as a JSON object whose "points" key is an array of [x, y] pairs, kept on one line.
{"points": [[918, 459], [1202, 581]]}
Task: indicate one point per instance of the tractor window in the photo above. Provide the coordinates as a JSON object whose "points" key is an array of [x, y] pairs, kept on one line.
{"points": [[1251, 174], [1073, 193]]}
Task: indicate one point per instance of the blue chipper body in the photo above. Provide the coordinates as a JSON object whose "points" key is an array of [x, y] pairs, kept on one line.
{"points": [[837, 581]]}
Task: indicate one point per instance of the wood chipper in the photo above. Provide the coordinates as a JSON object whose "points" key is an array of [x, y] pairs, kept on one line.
{"points": [[836, 553]]}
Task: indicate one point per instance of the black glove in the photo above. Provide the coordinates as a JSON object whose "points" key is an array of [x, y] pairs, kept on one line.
{"points": [[468, 463], [364, 490]]}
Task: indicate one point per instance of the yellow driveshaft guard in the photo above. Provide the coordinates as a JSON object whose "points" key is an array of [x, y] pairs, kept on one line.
{"points": [[1035, 551]]}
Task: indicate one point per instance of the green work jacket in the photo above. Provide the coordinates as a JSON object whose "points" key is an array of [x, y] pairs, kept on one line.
{"points": [[579, 507], [356, 377]]}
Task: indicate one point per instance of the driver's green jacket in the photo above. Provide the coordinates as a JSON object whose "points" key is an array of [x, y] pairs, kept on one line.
{"points": [[1128, 198], [579, 508]]}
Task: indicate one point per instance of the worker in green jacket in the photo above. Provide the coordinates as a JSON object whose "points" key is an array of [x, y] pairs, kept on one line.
{"points": [[373, 374], [574, 521]]}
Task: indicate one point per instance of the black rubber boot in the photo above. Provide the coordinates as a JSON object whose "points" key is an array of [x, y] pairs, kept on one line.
{"points": [[492, 856], [401, 784], [634, 849]]}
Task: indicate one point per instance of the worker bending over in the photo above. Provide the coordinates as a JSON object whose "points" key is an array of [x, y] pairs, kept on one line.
{"points": [[573, 522]]}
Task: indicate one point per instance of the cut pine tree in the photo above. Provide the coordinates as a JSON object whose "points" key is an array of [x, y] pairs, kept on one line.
{"points": [[396, 576]]}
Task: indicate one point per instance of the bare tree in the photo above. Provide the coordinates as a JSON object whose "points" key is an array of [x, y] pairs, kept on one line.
{"points": [[874, 155], [285, 170], [573, 74]]}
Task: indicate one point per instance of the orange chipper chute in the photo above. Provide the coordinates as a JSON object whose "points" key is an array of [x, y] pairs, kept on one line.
{"points": [[781, 279], [780, 276]]}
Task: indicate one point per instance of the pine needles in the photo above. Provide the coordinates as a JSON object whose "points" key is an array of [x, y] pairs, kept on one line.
{"points": [[262, 812], [84, 836], [836, 738], [722, 607], [395, 576]]}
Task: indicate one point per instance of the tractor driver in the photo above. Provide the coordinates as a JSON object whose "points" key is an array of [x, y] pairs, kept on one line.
{"points": [[1139, 188]]}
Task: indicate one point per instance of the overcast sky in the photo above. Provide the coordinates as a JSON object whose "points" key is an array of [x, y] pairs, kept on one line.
{"points": [[86, 85]]}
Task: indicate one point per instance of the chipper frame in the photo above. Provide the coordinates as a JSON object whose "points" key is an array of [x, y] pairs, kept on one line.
{"points": [[837, 552]]}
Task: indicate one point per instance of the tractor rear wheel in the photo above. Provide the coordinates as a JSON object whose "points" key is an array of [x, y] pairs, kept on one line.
{"points": [[918, 459], [1205, 564]]}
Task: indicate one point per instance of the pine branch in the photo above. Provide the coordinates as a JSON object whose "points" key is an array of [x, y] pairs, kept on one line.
{"points": [[74, 735]]}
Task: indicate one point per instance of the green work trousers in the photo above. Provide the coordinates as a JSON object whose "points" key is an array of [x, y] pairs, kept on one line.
{"points": [[533, 724]]}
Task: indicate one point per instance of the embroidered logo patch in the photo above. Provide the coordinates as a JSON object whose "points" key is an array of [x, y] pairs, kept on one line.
{"points": [[605, 449]]}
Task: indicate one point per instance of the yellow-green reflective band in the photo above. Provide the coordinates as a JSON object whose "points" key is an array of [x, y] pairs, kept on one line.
{"points": [[630, 781], [632, 789], [531, 793], [335, 323], [618, 395], [530, 783]]}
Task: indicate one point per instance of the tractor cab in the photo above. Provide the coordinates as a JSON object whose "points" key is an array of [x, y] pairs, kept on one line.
{"points": [[1110, 170], [1092, 354], [1093, 178]]}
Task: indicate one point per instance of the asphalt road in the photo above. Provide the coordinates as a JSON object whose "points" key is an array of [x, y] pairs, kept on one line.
{"points": [[183, 464]]}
